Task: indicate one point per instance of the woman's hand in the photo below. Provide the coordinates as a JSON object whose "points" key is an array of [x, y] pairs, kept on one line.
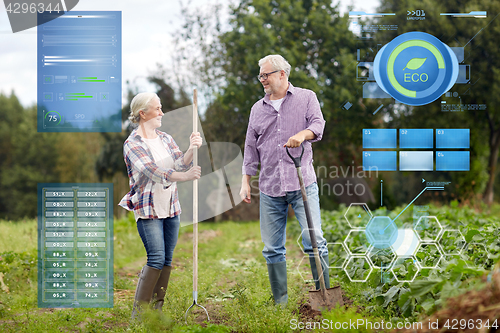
{"points": [[191, 174], [195, 140]]}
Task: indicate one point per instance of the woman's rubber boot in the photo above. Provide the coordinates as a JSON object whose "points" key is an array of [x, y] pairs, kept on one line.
{"points": [[161, 288], [277, 278], [145, 286], [326, 272]]}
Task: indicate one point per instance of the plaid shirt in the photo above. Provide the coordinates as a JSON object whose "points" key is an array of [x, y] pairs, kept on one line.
{"points": [[143, 173]]}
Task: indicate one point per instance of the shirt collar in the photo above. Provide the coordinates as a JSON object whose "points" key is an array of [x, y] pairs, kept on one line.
{"points": [[291, 90]]}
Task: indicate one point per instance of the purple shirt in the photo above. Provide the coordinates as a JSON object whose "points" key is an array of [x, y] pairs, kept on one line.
{"points": [[268, 130]]}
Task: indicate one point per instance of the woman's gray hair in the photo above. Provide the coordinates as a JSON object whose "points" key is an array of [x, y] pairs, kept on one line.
{"points": [[278, 62], [140, 102]]}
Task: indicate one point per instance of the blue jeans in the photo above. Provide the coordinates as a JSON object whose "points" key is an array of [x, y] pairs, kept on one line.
{"points": [[273, 213], [159, 237]]}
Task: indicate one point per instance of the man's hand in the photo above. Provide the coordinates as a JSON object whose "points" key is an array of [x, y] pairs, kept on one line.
{"points": [[245, 192], [296, 140]]}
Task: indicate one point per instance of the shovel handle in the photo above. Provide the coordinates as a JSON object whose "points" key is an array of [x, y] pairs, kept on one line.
{"points": [[296, 160], [310, 225]]}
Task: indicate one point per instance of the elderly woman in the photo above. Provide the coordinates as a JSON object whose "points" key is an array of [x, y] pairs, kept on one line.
{"points": [[154, 165]]}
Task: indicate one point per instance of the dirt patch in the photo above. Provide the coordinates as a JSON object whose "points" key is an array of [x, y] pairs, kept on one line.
{"points": [[199, 316], [475, 306]]}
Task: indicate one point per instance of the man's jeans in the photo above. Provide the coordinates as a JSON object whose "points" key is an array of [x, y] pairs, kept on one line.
{"points": [[273, 213], [159, 237]]}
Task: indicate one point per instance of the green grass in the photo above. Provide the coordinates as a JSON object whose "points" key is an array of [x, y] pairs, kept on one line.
{"points": [[233, 284]]}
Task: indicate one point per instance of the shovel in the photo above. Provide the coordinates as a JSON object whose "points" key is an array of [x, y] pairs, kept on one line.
{"points": [[323, 298]]}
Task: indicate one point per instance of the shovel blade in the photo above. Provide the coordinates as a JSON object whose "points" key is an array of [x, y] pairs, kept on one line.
{"points": [[333, 298]]}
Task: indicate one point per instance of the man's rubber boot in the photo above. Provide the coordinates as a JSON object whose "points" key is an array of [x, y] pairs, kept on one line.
{"points": [[326, 273], [161, 288], [277, 278], [145, 286]]}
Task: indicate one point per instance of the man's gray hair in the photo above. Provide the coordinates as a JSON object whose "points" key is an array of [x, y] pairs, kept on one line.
{"points": [[278, 62]]}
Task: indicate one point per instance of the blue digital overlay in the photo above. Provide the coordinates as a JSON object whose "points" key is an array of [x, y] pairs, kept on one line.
{"points": [[416, 161], [75, 245], [379, 138], [452, 138], [79, 77], [380, 160], [416, 138], [452, 160]]}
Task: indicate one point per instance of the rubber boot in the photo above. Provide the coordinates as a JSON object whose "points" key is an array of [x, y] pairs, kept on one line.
{"points": [[277, 278], [326, 273], [161, 288], [145, 286]]}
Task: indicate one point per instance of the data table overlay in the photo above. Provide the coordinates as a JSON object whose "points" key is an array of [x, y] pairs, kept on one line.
{"points": [[75, 245]]}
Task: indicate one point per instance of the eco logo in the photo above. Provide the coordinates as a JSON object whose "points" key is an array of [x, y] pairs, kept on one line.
{"points": [[416, 68], [28, 14]]}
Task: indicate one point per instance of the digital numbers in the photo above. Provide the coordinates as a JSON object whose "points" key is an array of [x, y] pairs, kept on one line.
{"points": [[440, 132], [91, 224], [59, 295], [53, 118], [404, 132], [90, 204], [58, 275], [92, 254], [91, 194], [18, 8], [56, 264], [90, 275], [59, 204], [91, 285], [367, 132]]}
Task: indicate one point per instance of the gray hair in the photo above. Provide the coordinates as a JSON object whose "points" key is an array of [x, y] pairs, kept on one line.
{"points": [[277, 62], [140, 102]]}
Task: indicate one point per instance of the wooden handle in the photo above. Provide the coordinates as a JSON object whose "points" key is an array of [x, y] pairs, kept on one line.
{"points": [[195, 198]]}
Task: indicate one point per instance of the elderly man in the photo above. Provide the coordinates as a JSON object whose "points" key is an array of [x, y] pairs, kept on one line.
{"points": [[287, 116]]}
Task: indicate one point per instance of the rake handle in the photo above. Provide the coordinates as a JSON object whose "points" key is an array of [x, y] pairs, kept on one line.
{"points": [[195, 201]]}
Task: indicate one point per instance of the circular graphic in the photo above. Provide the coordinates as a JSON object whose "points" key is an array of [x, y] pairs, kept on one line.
{"points": [[415, 68]]}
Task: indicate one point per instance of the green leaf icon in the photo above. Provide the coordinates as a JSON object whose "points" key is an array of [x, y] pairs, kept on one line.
{"points": [[415, 63]]}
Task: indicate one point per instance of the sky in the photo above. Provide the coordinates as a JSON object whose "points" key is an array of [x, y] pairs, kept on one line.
{"points": [[147, 28]]}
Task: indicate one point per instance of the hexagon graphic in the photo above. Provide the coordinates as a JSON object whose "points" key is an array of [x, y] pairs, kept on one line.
{"points": [[448, 259], [406, 243], [358, 215], [476, 256], [381, 257], [300, 240], [428, 228], [452, 242], [381, 232], [428, 255], [356, 242], [358, 269], [405, 269], [304, 269], [337, 254]]}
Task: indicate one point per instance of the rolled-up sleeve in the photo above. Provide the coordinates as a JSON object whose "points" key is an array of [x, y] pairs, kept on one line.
{"points": [[314, 117], [251, 154]]}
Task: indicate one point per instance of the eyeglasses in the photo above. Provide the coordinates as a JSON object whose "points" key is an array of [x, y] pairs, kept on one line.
{"points": [[265, 75]]}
